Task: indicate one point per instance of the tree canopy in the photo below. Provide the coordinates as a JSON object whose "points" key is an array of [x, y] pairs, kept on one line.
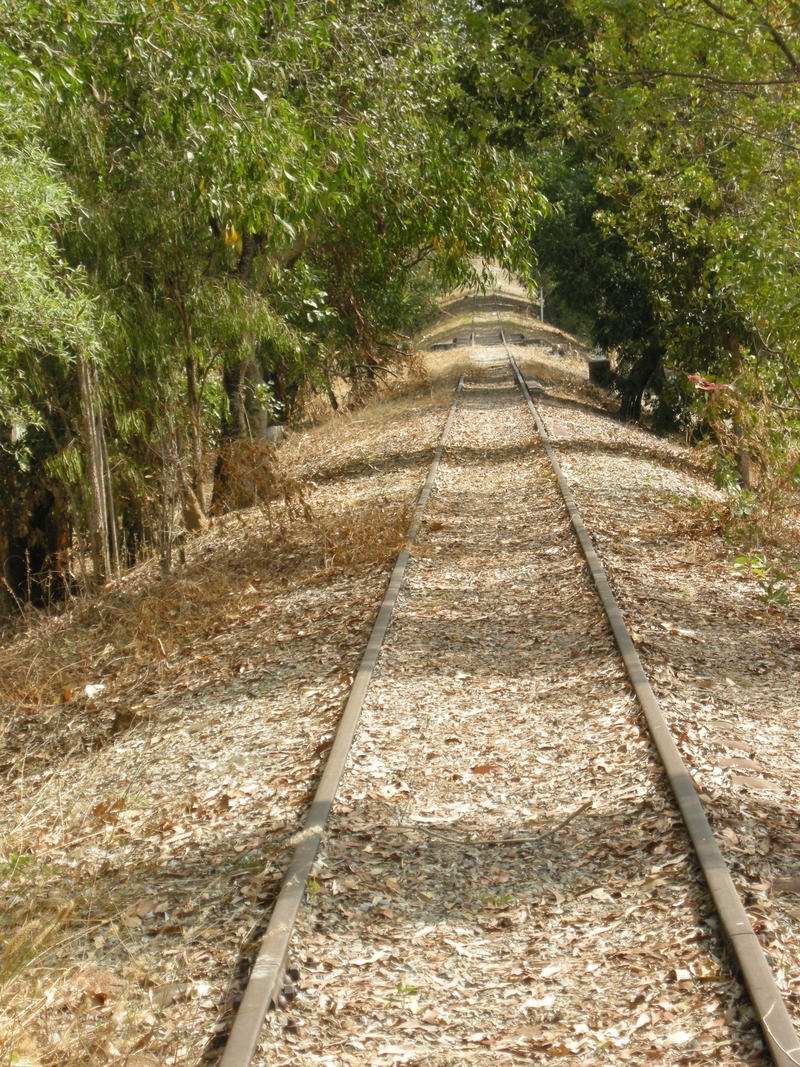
{"points": [[214, 211], [665, 135]]}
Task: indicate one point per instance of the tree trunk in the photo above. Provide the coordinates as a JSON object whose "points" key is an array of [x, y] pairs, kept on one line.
{"points": [[236, 474], [198, 490], [194, 517], [247, 415], [34, 551], [169, 456], [96, 480], [635, 384], [112, 511], [742, 454]]}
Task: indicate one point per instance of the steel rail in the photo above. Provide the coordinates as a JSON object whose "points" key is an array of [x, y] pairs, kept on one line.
{"points": [[773, 1016], [267, 976]]}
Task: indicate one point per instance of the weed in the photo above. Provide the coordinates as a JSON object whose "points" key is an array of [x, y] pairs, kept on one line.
{"points": [[31, 939], [742, 504], [363, 533], [496, 900], [726, 475], [773, 593], [21, 865], [313, 887], [771, 581], [406, 990]]}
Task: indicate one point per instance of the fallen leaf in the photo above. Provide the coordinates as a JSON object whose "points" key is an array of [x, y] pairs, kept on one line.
{"points": [[741, 763], [539, 1002], [142, 908], [403, 1052], [364, 961], [97, 983], [435, 1017], [479, 1038], [523, 1034], [786, 885], [164, 995], [564, 1048], [753, 783], [704, 968], [679, 1037], [599, 894]]}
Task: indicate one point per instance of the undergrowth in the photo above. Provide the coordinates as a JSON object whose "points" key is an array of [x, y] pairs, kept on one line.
{"points": [[142, 622]]}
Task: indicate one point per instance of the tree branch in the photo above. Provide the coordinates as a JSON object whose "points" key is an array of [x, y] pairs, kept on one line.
{"points": [[789, 381], [719, 11], [782, 357], [656, 72], [418, 258], [776, 37], [287, 257]]}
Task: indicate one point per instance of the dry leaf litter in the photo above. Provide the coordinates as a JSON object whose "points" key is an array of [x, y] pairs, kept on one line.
{"points": [[438, 928], [140, 867], [161, 743]]}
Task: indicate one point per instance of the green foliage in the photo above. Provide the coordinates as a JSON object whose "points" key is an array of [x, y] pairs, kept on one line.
{"points": [[312, 888], [223, 206], [19, 864], [46, 317], [774, 592], [665, 137], [227, 204]]}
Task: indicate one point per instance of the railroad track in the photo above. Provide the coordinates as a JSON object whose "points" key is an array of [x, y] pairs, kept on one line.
{"points": [[480, 887]]}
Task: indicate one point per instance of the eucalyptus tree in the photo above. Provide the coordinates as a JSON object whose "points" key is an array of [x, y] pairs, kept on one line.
{"points": [[48, 326], [666, 133], [700, 180], [257, 190]]}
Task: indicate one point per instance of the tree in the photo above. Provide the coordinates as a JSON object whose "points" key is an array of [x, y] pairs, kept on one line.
{"points": [[47, 327], [665, 134], [258, 192]]}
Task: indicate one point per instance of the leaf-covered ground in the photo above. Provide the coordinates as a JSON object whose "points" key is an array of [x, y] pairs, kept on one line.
{"points": [[439, 929], [161, 742], [443, 925]]}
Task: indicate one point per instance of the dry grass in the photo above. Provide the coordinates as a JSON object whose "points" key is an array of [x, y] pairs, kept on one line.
{"points": [[136, 639], [403, 371], [367, 534], [296, 530]]}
